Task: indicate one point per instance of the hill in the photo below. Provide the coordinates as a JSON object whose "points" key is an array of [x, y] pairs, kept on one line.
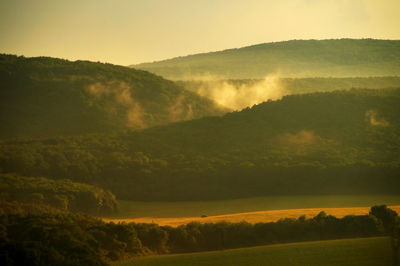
{"points": [[368, 251], [296, 58], [47, 96], [341, 142]]}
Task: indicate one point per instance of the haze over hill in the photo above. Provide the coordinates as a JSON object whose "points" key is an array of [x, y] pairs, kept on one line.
{"points": [[305, 116], [296, 58], [236, 94], [45, 96]]}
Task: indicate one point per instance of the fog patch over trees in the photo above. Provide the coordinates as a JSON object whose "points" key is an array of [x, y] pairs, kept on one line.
{"points": [[375, 119], [121, 92], [235, 96]]}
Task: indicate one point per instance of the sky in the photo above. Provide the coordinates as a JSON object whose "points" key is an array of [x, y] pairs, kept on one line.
{"points": [[128, 32]]}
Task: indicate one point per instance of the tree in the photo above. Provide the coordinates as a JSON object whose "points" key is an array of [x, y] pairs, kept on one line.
{"points": [[395, 237], [386, 215]]}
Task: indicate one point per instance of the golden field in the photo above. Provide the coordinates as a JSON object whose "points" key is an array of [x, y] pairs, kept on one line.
{"points": [[252, 217]]}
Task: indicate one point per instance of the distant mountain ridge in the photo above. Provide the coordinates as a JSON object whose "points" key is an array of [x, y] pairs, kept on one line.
{"points": [[44, 96], [295, 58]]}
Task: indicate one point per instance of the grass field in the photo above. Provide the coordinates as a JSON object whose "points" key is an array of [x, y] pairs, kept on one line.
{"points": [[360, 252]]}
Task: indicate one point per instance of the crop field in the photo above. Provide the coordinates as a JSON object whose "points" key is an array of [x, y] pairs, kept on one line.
{"points": [[253, 217], [253, 210], [137, 209], [345, 252]]}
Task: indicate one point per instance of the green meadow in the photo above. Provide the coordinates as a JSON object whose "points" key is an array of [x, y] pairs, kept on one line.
{"points": [[368, 251]]}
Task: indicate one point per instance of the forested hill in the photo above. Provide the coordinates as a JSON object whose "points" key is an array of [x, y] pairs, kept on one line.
{"points": [[47, 96], [332, 142], [296, 58]]}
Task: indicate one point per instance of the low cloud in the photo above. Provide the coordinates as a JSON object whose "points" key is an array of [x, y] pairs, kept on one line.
{"points": [[375, 119], [180, 110], [300, 143], [121, 94], [301, 138], [236, 96]]}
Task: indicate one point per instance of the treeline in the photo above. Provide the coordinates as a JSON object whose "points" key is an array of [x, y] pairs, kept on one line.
{"points": [[42, 97], [66, 239], [320, 143], [64, 195]]}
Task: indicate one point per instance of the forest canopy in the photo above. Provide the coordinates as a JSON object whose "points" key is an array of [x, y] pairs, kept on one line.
{"points": [[63, 195], [319, 143], [43, 96]]}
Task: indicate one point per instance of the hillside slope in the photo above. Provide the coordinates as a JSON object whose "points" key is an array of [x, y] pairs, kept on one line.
{"points": [[48, 96], [296, 58], [345, 252], [342, 142]]}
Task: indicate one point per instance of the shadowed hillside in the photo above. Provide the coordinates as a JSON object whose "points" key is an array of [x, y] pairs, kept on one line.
{"points": [[46, 96], [322, 143]]}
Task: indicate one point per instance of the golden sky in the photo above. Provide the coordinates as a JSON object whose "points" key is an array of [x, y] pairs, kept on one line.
{"points": [[133, 31]]}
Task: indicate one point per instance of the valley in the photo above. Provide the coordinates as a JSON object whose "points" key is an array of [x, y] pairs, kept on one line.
{"points": [[233, 165]]}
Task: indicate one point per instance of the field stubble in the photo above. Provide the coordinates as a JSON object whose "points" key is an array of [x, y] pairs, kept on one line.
{"points": [[253, 217], [252, 210]]}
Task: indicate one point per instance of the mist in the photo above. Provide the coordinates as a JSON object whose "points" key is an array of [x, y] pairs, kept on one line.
{"points": [[238, 96], [302, 137], [375, 119], [121, 94], [300, 143], [180, 109], [137, 111]]}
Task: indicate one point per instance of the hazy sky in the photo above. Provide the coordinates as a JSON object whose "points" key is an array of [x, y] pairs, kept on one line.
{"points": [[133, 31]]}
